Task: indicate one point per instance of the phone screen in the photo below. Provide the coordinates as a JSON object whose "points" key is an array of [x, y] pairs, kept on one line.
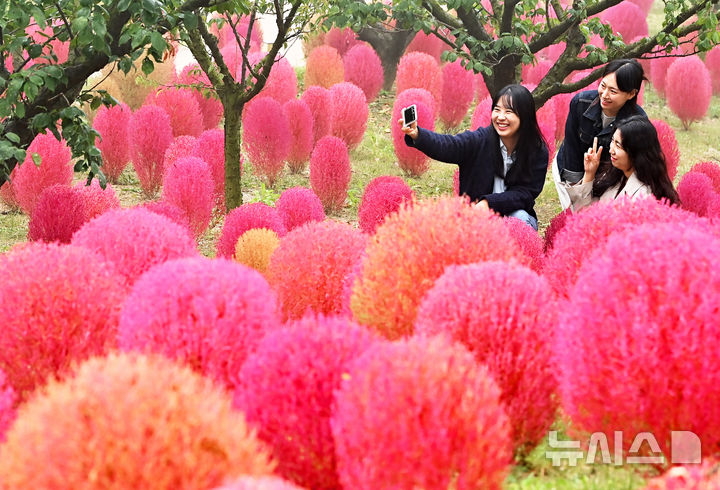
{"points": [[409, 115]]}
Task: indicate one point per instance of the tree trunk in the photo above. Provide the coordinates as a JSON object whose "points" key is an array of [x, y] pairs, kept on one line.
{"points": [[233, 177], [390, 46], [503, 74]]}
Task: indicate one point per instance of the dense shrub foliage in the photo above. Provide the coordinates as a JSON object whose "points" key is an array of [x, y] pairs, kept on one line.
{"points": [[364, 69], [300, 121], [188, 184], [330, 172], [350, 113], [321, 106], [688, 89], [383, 195], [266, 137], [150, 135], [419, 70], [299, 205], [324, 67], [244, 218], [182, 107], [113, 124], [255, 247]]}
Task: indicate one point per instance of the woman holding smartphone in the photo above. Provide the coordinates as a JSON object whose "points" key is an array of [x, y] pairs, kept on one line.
{"points": [[503, 165]]}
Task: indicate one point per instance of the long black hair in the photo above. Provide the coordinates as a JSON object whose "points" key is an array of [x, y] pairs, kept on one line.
{"points": [[629, 74], [530, 140], [640, 142]]}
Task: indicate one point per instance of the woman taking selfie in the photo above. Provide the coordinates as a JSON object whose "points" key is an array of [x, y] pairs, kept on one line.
{"points": [[503, 165], [637, 167]]}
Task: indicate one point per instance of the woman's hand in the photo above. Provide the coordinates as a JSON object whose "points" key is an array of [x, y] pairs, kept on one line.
{"points": [[411, 130], [592, 161]]}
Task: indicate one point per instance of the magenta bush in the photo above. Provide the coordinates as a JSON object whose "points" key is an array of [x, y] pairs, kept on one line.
{"points": [[207, 314], [60, 211], [281, 84], [457, 93], [410, 160], [533, 74], [113, 124], [59, 304], [688, 89], [640, 355], [8, 401], [150, 135], [712, 170], [413, 96], [244, 218], [481, 90], [645, 5], [556, 224], [97, 199], [320, 103], [266, 137], [419, 70], [259, 483], [182, 107], [528, 240], [428, 44], [226, 36], [299, 205], [300, 120], [174, 213], [210, 146], [420, 413], [696, 192], [382, 196], [481, 115], [181, 147], [188, 184], [626, 19], [210, 106], [712, 62], [324, 67], [562, 108], [658, 72], [363, 68], [285, 388], [134, 240], [350, 113], [343, 40], [330, 172], [669, 145]]}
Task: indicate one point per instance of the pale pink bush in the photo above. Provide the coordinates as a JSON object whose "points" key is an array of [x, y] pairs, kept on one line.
{"points": [[457, 93], [285, 389], [528, 240], [382, 196], [481, 90], [188, 184], [266, 139], [688, 89], [134, 240], [281, 83], [626, 19], [181, 147], [658, 72], [645, 5], [259, 483], [533, 74], [113, 124], [669, 146], [150, 135], [53, 49], [640, 355], [411, 160], [181, 106], [8, 401], [330, 172], [696, 192], [712, 62], [299, 205], [210, 146], [481, 115], [428, 44], [300, 120], [419, 70], [364, 69], [307, 270], [324, 67], [320, 103], [562, 108], [350, 113], [244, 218], [207, 314], [59, 304], [343, 40], [420, 413], [226, 36], [129, 421], [210, 106]]}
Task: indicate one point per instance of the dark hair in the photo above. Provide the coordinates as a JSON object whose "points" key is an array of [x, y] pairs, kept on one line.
{"points": [[640, 142], [629, 74], [519, 100]]}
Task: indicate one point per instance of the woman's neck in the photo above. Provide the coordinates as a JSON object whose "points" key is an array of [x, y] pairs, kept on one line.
{"points": [[510, 142]]}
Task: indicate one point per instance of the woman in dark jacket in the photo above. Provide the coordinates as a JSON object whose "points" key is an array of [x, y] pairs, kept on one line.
{"points": [[502, 165]]}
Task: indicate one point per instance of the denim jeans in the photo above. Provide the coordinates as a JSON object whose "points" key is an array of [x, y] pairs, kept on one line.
{"points": [[525, 217]]}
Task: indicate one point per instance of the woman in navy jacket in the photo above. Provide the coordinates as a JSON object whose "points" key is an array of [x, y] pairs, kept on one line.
{"points": [[502, 165]]}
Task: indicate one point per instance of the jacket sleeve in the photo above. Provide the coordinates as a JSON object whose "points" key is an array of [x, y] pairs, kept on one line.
{"points": [[446, 148], [580, 195], [522, 196], [571, 153]]}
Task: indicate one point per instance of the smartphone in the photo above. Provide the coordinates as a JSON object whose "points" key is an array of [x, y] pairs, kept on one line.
{"points": [[409, 115]]}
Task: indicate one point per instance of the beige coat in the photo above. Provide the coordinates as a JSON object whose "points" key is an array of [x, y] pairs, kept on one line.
{"points": [[581, 194]]}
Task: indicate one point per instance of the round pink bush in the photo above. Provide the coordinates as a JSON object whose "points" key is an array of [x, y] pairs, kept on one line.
{"points": [[562, 108], [626, 19], [481, 115], [300, 120], [299, 205], [429, 44], [658, 71], [481, 90], [208, 103], [8, 400], [174, 213], [210, 146], [59, 304], [696, 192], [55, 168], [330, 172], [496, 308], [113, 124], [350, 113], [343, 40], [54, 49], [97, 199], [413, 96], [533, 74], [419, 70], [59, 212], [320, 103], [134, 240], [645, 5], [712, 62], [181, 147], [382, 196], [411, 160], [556, 224], [259, 483], [286, 389], [188, 184], [690, 476], [150, 135], [309, 267], [244, 218], [420, 413], [457, 93], [638, 337], [266, 137], [226, 36], [281, 83], [182, 107], [688, 89], [364, 69], [324, 67], [712, 170], [669, 146], [528, 240], [207, 314]]}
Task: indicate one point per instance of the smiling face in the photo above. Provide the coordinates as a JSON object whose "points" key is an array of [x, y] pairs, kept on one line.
{"points": [[611, 97], [618, 156], [505, 122]]}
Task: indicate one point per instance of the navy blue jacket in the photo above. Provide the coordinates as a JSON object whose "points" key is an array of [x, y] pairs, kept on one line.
{"points": [[584, 122], [472, 152]]}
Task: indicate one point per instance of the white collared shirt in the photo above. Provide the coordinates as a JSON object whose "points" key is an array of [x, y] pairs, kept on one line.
{"points": [[508, 160]]}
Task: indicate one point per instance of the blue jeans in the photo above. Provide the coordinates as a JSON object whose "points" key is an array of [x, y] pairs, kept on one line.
{"points": [[525, 217]]}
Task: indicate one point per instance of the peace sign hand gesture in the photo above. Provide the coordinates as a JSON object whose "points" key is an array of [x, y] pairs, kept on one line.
{"points": [[592, 161]]}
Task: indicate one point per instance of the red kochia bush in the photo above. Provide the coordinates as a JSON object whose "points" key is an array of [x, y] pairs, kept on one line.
{"points": [[135, 239], [324, 67], [113, 124], [244, 218], [382, 196], [182, 107], [688, 89], [286, 390], [411, 249], [626, 19], [207, 314], [419, 70], [528, 240], [210, 146], [210, 106], [59, 304], [638, 337], [420, 413], [556, 224], [55, 168], [658, 71], [259, 483], [299, 205], [266, 137], [320, 103], [341, 39], [188, 184], [712, 62], [364, 69], [128, 421], [307, 270], [428, 44], [281, 83], [226, 35], [59, 212], [410, 160], [696, 192], [8, 400], [181, 147], [150, 134], [457, 93], [300, 120], [505, 315], [350, 113], [330, 172], [669, 145], [174, 213], [533, 74], [481, 114]]}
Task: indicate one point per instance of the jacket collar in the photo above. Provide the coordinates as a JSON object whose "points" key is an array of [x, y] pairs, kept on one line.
{"points": [[633, 185], [593, 112]]}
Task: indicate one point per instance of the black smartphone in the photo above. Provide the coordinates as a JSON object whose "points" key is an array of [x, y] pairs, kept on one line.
{"points": [[409, 115]]}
